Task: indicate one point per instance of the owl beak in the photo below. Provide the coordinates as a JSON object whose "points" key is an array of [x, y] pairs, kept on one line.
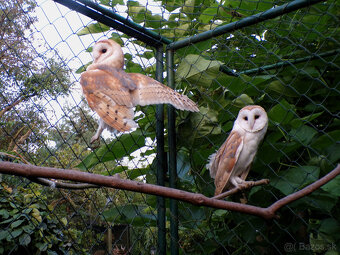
{"points": [[251, 123]]}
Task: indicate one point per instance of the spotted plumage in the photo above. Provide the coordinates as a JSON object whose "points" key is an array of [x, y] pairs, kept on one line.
{"points": [[113, 93]]}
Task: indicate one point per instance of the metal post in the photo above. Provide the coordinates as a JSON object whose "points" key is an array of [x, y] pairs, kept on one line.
{"points": [[172, 157], [161, 161], [248, 21], [108, 18], [291, 62]]}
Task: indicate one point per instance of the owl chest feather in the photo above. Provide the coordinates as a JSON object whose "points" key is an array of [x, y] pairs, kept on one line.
{"points": [[247, 154]]}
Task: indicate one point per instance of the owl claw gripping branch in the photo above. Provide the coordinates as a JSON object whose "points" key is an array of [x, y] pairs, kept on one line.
{"points": [[113, 93], [230, 165]]}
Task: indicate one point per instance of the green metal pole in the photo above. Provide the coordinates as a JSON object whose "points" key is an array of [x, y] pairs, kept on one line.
{"points": [[248, 21], [111, 19], [126, 21], [261, 69], [172, 158], [161, 160]]}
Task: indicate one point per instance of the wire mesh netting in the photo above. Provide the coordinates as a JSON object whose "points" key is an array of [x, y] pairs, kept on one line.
{"points": [[287, 63]]}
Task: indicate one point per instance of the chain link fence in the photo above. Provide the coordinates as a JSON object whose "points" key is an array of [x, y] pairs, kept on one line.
{"points": [[223, 55]]}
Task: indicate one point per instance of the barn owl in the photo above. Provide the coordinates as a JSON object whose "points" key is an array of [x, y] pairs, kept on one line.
{"points": [[230, 165], [113, 93]]}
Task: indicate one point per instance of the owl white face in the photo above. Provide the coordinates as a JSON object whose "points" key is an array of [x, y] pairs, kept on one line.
{"points": [[108, 52], [252, 118]]}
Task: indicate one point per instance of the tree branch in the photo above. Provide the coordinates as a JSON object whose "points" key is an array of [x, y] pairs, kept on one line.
{"points": [[47, 182], [193, 198], [12, 105]]}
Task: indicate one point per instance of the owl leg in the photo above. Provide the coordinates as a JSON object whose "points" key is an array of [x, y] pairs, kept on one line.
{"points": [[100, 129], [238, 182]]}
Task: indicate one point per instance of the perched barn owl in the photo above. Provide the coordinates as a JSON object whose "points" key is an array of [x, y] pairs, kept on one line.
{"points": [[230, 165], [113, 93]]}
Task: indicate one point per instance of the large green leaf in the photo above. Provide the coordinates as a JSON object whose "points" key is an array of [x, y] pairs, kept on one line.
{"points": [[171, 5], [242, 101], [333, 187], [303, 134], [112, 3], [295, 178], [93, 28], [326, 140], [120, 147], [295, 123], [248, 7], [183, 168], [282, 113], [131, 214], [197, 69], [209, 13]]}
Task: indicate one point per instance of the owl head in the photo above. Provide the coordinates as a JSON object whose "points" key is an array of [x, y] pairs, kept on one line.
{"points": [[252, 118], [108, 52]]}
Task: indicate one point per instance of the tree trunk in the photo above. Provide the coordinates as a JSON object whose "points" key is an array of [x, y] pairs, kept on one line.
{"points": [[11, 106]]}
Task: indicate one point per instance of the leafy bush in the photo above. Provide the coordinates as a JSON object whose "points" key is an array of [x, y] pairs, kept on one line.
{"points": [[28, 226]]}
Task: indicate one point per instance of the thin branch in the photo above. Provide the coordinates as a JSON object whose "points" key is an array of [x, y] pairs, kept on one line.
{"points": [[193, 198], [249, 184], [46, 182], [62, 185], [305, 191]]}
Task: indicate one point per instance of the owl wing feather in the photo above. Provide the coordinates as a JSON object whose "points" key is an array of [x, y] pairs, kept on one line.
{"points": [[109, 97], [150, 91], [225, 160]]}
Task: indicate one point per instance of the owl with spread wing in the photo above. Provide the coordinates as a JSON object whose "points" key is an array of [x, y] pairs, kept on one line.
{"points": [[112, 93]]}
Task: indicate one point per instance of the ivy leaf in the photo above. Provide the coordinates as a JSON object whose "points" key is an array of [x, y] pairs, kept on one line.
{"points": [[25, 239], [15, 233], [3, 234], [4, 213], [16, 223]]}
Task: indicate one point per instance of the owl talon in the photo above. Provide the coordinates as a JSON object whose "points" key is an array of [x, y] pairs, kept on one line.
{"points": [[94, 139]]}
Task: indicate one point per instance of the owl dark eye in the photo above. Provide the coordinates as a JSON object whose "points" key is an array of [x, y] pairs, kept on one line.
{"points": [[245, 118], [257, 116], [104, 50]]}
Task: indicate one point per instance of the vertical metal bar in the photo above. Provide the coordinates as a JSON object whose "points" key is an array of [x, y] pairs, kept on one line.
{"points": [[109, 239], [172, 157], [161, 161]]}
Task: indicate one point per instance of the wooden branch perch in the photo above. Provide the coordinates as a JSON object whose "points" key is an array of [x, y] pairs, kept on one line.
{"points": [[193, 198], [47, 182]]}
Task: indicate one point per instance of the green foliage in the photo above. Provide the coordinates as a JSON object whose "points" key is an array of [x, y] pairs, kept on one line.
{"points": [[28, 226]]}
